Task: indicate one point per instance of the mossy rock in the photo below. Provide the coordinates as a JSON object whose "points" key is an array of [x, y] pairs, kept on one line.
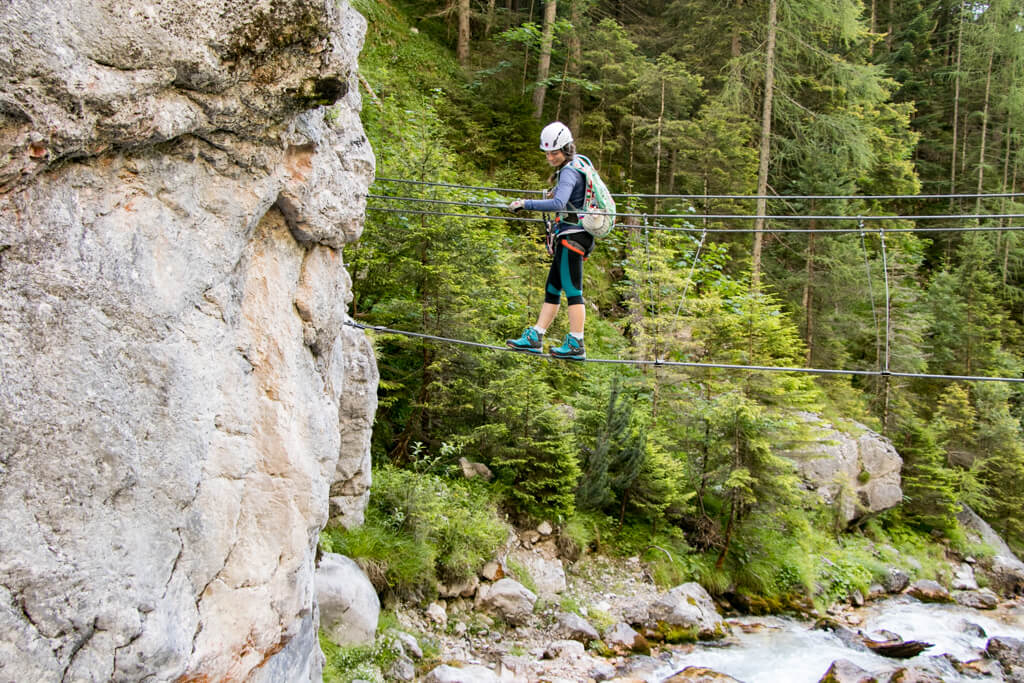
{"points": [[676, 635]]}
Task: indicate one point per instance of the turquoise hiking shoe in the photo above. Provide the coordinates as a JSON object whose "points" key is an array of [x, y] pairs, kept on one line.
{"points": [[571, 348], [530, 341]]}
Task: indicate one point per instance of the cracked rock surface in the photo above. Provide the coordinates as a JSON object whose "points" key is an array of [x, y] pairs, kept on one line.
{"points": [[179, 396]]}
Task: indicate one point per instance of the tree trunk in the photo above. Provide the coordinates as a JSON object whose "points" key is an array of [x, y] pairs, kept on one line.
{"points": [[544, 60], [489, 20], [575, 62], [462, 46], [728, 532], [1004, 239], [984, 128], [561, 91], [873, 25], [657, 156], [673, 161], [808, 298], [888, 36], [956, 103], [632, 136], [526, 53], [766, 135], [1006, 246], [735, 46]]}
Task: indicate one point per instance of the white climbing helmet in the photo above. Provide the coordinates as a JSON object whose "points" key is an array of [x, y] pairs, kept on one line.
{"points": [[555, 136]]}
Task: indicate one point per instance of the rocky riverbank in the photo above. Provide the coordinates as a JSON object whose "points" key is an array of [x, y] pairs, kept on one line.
{"points": [[604, 619]]}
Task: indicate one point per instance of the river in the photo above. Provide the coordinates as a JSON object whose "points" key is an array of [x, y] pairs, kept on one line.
{"points": [[785, 650]]}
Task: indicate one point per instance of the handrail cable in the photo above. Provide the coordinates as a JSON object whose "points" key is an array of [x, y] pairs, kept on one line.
{"points": [[685, 364], [718, 196], [723, 216], [733, 231]]}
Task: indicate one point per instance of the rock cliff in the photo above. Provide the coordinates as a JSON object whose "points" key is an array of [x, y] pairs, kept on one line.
{"points": [[852, 468], [179, 396]]}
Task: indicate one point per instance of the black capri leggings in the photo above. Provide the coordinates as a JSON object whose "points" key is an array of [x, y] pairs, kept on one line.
{"points": [[566, 273]]}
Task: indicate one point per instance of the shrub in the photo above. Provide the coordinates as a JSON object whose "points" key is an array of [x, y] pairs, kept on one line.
{"points": [[420, 529]]}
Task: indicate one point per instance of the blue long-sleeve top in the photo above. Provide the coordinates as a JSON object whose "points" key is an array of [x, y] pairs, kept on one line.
{"points": [[570, 191]]}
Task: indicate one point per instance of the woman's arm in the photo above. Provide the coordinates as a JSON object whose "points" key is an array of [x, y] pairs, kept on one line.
{"points": [[563, 191]]}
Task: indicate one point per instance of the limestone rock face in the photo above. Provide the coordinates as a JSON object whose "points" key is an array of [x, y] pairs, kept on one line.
{"points": [[1005, 569], [859, 470], [178, 393]]}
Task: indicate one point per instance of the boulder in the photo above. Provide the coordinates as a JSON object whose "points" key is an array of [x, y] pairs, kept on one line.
{"points": [[475, 469], [977, 599], [979, 668], [927, 590], [401, 669], [897, 648], [466, 674], [699, 674], [854, 461], [570, 649], [845, 671], [1009, 652], [963, 578], [437, 613], [895, 580], [511, 600], [464, 589], [575, 627], [407, 643], [349, 606], [181, 397], [637, 613], [915, 675], [492, 571], [688, 606], [623, 639], [1005, 569], [853, 640], [601, 671], [972, 629], [548, 575]]}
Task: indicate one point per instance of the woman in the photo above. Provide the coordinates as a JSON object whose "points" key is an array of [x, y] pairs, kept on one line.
{"points": [[572, 244]]}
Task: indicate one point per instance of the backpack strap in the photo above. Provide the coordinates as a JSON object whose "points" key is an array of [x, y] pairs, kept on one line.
{"points": [[573, 217]]}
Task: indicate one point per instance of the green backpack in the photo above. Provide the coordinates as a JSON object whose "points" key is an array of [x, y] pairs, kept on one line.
{"points": [[597, 215]]}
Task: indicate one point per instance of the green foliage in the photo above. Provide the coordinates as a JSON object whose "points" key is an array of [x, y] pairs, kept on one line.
{"points": [[346, 664], [671, 452], [525, 440], [841, 579], [928, 486], [420, 529]]}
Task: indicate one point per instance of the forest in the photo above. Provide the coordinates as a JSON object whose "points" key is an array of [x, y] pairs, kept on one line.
{"points": [[818, 184]]}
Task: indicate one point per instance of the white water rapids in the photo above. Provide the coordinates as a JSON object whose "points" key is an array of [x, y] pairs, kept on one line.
{"points": [[787, 650]]}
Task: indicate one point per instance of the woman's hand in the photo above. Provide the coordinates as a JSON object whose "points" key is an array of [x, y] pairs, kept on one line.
{"points": [[517, 205]]}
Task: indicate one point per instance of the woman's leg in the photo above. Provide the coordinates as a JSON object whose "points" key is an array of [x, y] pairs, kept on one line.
{"points": [[577, 317], [547, 315]]}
